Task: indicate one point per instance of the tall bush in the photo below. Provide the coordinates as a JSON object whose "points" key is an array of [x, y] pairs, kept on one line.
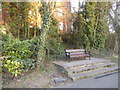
{"points": [[91, 25], [18, 55]]}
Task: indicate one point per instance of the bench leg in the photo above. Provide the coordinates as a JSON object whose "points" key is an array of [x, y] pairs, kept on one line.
{"points": [[89, 58], [70, 60], [84, 57]]}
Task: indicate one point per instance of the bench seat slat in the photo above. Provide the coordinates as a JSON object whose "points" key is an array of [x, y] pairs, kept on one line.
{"points": [[76, 53], [81, 55], [75, 50]]}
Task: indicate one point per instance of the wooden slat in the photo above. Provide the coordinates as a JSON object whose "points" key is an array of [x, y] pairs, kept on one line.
{"points": [[75, 50], [77, 53], [72, 53], [80, 55]]}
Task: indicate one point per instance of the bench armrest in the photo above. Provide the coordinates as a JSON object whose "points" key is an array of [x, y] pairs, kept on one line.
{"points": [[87, 52], [67, 53]]}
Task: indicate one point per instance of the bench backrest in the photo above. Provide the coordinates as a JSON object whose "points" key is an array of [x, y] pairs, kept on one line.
{"points": [[75, 51]]}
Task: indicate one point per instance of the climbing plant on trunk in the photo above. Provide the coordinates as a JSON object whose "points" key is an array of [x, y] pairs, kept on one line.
{"points": [[46, 19]]}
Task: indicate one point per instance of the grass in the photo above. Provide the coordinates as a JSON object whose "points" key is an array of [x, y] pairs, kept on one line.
{"points": [[113, 59], [107, 55]]}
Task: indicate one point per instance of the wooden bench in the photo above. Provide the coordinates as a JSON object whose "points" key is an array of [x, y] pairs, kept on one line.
{"points": [[77, 53]]}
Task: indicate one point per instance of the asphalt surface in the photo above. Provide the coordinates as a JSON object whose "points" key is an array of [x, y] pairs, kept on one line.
{"points": [[105, 81]]}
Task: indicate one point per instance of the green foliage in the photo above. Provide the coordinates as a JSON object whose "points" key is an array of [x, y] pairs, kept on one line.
{"points": [[49, 40], [110, 41], [17, 18], [91, 26], [18, 54], [90, 22], [41, 55], [13, 66], [34, 47], [54, 40], [46, 44], [17, 48]]}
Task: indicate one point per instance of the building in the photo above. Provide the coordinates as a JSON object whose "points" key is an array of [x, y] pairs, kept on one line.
{"points": [[62, 13]]}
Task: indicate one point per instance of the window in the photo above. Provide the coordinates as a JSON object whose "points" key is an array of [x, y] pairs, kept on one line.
{"points": [[59, 12], [60, 25]]}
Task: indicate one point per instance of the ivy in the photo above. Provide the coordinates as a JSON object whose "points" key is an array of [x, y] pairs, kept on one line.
{"points": [[43, 36], [53, 40], [18, 54]]}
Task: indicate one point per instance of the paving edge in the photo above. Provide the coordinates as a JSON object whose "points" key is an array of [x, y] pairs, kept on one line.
{"points": [[95, 75], [63, 71]]}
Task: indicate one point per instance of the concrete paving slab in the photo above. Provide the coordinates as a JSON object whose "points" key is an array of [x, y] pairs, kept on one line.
{"points": [[79, 62], [93, 73], [110, 81], [81, 69], [87, 68], [59, 80]]}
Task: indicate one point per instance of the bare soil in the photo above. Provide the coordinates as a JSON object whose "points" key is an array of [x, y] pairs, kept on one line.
{"points": [[37, 79]]}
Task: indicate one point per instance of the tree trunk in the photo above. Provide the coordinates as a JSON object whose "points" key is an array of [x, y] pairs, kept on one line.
{"points": [[43, 36]]}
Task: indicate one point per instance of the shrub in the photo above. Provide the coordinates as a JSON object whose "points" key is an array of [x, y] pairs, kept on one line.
{"points": [[53, 43], [13, 66], [34, 47], [17, 48], [18, 54]]}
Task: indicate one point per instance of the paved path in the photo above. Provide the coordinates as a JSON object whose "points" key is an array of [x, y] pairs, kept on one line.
{"points": [[80, 69], [67, 64], [110, 81]]}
